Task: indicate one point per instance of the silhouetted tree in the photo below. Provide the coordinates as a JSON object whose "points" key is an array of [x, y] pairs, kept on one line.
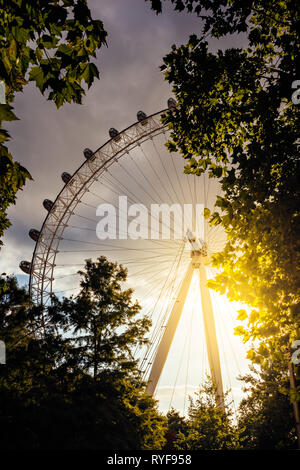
{"points": [[209, 427], [176, 424], [266, 419], [70, 380]]}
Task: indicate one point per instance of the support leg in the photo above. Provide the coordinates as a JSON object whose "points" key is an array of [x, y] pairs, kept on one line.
{"points": [[166, 341], [211, 336]]}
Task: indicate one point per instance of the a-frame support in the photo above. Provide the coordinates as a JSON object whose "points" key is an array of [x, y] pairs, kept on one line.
{"points": [[170, 329], [211, 337], [197, 262]]}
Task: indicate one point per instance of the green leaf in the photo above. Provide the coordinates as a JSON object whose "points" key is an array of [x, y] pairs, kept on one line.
{"points": [[89, 72], [239, 331], [251, 354], [242, 315], [12, 50], [37, 75], [6, 113], [64, 49], [206, 213], [6, 61], [215, 219], [4, 135]]}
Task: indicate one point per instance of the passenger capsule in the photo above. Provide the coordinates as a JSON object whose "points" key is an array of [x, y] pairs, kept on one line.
{"points": [[88, 153], [25, 266], [48, 204], [172, 104], [66, 177], [142, 117], [34, 234], [114, 134]]}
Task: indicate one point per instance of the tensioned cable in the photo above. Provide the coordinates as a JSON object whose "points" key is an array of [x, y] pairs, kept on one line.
{"points": [[226, 363], [158, 177], [180, 186], [179, 368], [189, 184], [178, 182], [157, 301], [147, 358], [157, 242], [168, 227], [145, 177], [145, 270], [122, 186], [188, 356], [161, 319], [164, 285], [137, 183], [159, 330], [149, 250], [166, 172]]}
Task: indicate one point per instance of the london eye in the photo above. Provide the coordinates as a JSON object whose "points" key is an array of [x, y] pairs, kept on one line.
{"points": [[192, 326]]}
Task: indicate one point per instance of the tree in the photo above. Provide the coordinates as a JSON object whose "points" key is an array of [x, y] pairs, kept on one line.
{"points": [[51, 43], [266, 418], [30, 376], [105, 330], [208, 426], [71, 381], [236, 120], [102, 319], [176, 424]]}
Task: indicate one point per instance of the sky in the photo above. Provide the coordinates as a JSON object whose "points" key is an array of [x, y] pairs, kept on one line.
{"points": [[48, 141]]}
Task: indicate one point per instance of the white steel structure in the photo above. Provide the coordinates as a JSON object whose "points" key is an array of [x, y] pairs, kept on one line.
{"points": [[43, 260], [165, 268], [199, 259]]}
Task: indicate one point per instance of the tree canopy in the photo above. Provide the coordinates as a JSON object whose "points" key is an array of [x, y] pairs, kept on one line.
{"points": [[51, 43], [236, 120], [265, 415], [208, 426], [70, 380]]}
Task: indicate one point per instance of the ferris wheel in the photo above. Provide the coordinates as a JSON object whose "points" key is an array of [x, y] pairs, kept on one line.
{"points": [[168, 262]]}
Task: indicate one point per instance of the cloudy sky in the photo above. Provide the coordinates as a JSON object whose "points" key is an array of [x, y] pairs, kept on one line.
{"points": [[48, 141]]}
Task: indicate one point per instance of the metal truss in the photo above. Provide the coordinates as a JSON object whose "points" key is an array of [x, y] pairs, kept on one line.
{"points": [[46, 248]]}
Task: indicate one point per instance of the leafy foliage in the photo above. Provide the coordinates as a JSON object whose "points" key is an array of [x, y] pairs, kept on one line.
{"points": [[266, 417], [70, 381], [102, 320], [220, 16], [208, 426], [12, 174], [50, 43], [236, 121], [176, 424], [52, 398]]}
